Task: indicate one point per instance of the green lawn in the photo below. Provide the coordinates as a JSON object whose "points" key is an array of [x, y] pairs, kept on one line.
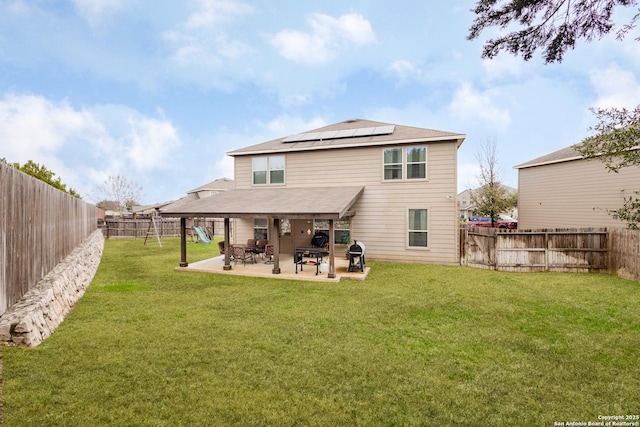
{"points": [[411, 345]]}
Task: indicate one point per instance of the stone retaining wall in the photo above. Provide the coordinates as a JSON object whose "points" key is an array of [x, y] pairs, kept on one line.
{"points": [[39, 312]]}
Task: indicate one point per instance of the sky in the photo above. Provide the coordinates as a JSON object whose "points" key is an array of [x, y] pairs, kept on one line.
{"points": [[158, 91]]}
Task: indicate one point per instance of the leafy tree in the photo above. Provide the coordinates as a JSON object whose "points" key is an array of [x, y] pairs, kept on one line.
{"points": [[617, 139], [119, 190], [43, 174], [617, 144], [492, 197], [551, 25]]}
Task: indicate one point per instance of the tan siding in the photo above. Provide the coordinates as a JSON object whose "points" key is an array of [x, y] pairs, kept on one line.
{"points": [[572, 194], [381, 213]]}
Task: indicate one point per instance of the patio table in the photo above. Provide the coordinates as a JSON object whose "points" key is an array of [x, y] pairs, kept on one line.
{"points": [[302, 253]]}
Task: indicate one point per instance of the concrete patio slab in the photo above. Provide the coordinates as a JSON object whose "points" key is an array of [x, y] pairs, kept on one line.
{"points": [[287, 269]]}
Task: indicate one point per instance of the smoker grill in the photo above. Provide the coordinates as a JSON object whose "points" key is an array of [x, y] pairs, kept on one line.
{"points": [[356, 256]]}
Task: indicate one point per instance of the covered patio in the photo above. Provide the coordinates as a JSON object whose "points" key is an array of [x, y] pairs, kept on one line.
{"points": [[274, 204], [287, 269]]}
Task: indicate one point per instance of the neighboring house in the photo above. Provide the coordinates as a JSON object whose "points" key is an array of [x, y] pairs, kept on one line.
{"points": [[213, 188], [563, 189], [391, 187], [466, 206], [207, 190]]}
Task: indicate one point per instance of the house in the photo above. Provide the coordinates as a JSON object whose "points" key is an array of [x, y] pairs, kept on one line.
{"points": [[212, 188], [564, 190], [466, 206], [389, 186]]}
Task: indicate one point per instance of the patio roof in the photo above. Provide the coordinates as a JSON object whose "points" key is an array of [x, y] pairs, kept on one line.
{"points": [[285, 202]]}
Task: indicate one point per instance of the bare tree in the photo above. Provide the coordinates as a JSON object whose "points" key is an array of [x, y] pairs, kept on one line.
{"points": [[491, 197], [118, 189]]}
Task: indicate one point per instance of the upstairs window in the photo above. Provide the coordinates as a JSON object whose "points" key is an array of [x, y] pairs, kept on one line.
{"points": [[405, 163], [392, 163], [268, 170], [416, 163]]}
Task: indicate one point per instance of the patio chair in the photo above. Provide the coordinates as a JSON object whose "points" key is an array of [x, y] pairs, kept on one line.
{"points": [[221, 249], [261, 246], [240, 253], [268, 254]]}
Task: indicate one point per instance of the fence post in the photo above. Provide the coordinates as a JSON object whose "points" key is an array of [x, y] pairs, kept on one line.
{"points": [[546, 251]]}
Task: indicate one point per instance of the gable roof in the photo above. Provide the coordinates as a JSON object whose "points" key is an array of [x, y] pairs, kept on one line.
{"points": [[400, 135], [327, 202], [565, 155], [220, 184]]}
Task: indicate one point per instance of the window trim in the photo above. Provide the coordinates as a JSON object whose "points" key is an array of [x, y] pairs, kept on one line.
{"points": [[385, 164], [268, 171], [406, 159], [409, 231], [260, 227], [405, 164]]}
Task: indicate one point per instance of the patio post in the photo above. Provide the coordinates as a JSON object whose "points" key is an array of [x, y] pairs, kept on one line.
{"points": [[332, 252], [227, 236], [276, 246], [183, 242]]}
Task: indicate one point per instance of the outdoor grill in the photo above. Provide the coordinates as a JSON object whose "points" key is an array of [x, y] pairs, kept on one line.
{"points": [[319, 239], [356, 256]]}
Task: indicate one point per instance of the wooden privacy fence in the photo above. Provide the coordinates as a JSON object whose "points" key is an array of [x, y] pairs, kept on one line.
{"points": [[561, 250], [39, 226], [624, 253], [166, 227]]}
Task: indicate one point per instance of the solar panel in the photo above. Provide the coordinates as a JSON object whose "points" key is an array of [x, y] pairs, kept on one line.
{"points": [[345, 133]]}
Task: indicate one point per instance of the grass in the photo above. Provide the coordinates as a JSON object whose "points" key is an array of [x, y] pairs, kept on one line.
{"points": [[411, 345]]}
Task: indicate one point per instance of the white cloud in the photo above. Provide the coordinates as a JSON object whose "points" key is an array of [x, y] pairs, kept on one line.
{"points": [[615, 87], [328, 36], [19, 7], [33, 126], [294, 100], [200, 43], [94, 11], [84, 146], [405, 70], [503, 66], [286, 125], [472, 105], [151, 143], [191, 51], [211, 12], [468, 175]]}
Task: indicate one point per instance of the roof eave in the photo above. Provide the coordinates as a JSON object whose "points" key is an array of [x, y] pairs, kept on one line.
{"points": [[293, 147], [550, 162]]}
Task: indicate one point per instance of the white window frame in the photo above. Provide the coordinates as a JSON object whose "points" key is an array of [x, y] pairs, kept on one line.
{"points": [[384, 164], [405, 164], [260, 226], [268, 171], [409, 230], [406, 158]]}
